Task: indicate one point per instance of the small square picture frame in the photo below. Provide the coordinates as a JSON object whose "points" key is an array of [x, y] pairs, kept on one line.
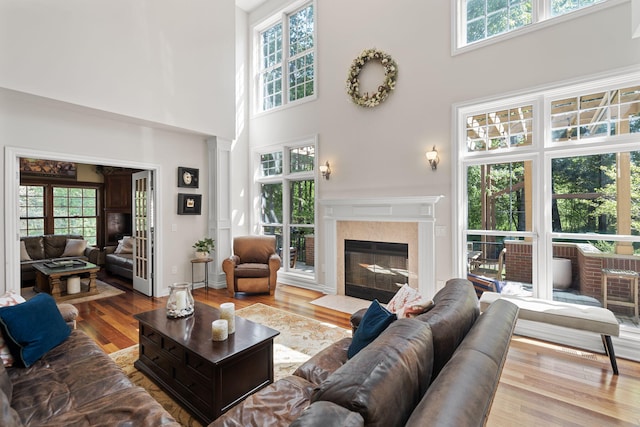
{"points": [[189, 204], [188, 177]]}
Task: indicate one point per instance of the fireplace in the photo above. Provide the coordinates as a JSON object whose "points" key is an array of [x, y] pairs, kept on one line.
{"points": [[375, 270], [406, 220]]}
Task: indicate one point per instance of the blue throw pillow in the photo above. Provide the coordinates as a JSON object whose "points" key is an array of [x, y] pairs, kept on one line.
{"points": [[375, 320], [33, 328]]}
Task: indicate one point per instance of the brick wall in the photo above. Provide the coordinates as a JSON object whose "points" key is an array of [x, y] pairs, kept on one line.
{"points": [[587, 263]]}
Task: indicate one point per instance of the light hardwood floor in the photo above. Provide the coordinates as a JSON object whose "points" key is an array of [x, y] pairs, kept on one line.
{"points": [[541, 384]]}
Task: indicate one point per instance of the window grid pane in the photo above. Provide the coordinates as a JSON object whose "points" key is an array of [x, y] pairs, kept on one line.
{"points": [[488, 18], [271, 163], [74, 212], [277, 85], [301, 31], [500, 129], [271, 203], [302, 159], [484, 19], [31, 210], [302, 197], [301, 77], [614, 112]]}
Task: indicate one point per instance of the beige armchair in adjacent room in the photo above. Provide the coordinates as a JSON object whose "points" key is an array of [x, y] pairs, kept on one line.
{"points": [[254, 265]]}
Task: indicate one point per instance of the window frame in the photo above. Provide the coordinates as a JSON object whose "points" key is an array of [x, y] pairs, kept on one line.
{"points": [[541, 18], [282, 17], [49, 208], [542, 152], [292, 276]]}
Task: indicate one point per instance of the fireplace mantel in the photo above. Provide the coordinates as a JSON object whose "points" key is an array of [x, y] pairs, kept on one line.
{"points": [[418, 210]]}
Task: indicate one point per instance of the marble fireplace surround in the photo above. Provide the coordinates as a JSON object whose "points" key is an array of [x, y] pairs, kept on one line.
{"points": [[409, 220]]}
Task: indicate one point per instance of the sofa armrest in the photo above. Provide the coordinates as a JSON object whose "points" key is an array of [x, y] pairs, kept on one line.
{"points": [[69, 313], [94, 255], [356, 318], [326, 362]]}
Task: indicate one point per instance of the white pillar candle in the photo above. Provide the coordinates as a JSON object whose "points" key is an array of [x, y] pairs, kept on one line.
{"points": [[73, 285], [181, 300], [219, 330], [228, 312]]}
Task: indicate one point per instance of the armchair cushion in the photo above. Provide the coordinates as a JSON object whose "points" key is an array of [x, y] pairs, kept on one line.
{"points": [[252, 270], [254, 249]]}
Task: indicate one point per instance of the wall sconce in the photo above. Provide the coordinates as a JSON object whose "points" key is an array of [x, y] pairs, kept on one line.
{"points": [[325, 170], [433, 158]]}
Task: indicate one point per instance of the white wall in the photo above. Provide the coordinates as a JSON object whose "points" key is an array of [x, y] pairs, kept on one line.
{"points": [[380, 151], [127, 81], [31, 123], [165, 61]]}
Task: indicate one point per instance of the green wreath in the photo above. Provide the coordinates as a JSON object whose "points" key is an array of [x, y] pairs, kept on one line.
{"points": [[390, 76]]}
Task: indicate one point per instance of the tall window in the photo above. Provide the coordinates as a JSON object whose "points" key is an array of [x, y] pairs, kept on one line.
{"points": [[552, 177], [55, 209], [286, 65], [480, 20], [287, 204]]}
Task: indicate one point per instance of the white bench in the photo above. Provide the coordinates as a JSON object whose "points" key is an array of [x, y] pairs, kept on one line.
{"points": [[575, 316]]}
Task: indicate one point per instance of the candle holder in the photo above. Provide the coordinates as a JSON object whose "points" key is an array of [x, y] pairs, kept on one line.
{"points": [[180, 302], [228, 313]]}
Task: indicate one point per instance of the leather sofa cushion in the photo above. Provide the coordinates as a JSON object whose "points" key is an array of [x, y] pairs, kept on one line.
{"points": [[278, 404], [324, 363], [8, 416], [455, 310], [76, 372], [54, 244], [247, 270], [450, 400], [120, 260], [393, 371], [327, 414], [34, 246]]}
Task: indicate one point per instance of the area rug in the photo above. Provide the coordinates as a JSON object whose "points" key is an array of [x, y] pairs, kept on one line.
{"points": [[341, 303], [300, 338], [105, 290]]}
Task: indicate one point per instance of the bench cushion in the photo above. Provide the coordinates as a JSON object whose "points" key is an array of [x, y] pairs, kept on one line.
{"points": [[574, 316]]}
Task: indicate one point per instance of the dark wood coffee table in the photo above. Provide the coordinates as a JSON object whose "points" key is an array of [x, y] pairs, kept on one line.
{"points": [[49, 276], [205, 376]]}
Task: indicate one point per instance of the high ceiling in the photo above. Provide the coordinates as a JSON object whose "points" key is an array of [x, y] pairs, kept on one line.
{"points": [[249, 5]]}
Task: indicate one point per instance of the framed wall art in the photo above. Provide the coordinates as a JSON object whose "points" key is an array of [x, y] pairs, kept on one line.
{"points": [[189, 204], [188, 177]]}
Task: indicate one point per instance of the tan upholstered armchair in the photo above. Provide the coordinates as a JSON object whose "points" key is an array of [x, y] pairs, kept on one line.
{"points": [[254, 265]]}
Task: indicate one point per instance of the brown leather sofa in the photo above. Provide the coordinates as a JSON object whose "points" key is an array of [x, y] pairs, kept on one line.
{"points": [[120, 264], [75, 384], [50, 247], [441, 368], [254, 265]]}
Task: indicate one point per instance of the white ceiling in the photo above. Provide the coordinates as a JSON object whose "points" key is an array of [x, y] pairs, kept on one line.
{"points": [[249, 5]]}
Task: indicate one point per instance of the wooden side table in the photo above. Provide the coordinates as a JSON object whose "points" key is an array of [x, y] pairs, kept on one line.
{"points": [[206, 262], [632, 277]]}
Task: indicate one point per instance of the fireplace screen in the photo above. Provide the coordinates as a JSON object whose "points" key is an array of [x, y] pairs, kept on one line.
{"points": [[375, 270]]}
